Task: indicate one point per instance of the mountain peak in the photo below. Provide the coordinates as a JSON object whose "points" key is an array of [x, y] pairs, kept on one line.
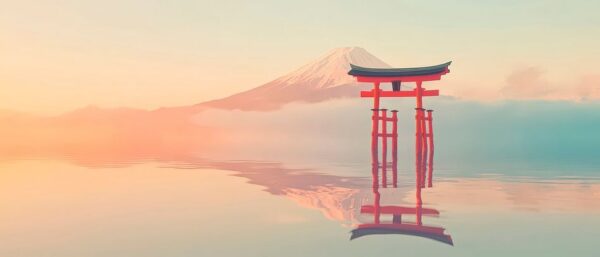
{"points": [[355, 55], [347, 50], [324, 78], [332, 68]]}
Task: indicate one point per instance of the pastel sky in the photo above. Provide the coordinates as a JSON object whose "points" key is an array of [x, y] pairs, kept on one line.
{"points": [[57, 56]]}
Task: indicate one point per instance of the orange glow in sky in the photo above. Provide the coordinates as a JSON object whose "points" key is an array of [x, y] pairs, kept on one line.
{"points": [[56, 57]]}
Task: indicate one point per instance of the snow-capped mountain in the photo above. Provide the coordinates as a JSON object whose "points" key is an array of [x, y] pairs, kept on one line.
{"points": [[330, 70], [322, 79]]}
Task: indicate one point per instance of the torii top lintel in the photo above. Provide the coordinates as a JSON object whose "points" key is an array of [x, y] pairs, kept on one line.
{"points": [[419, 74]]}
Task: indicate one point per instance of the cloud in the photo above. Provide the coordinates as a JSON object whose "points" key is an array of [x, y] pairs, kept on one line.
{"points": [[530, 83], [589, 87], [527, 83]]}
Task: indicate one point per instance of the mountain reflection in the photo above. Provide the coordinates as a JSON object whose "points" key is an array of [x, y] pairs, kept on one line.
{"points": [[337, 197], [275, 177]]}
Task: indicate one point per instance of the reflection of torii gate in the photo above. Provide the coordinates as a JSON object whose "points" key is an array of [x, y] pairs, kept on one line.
{"points": [[398, 225], [423, 124]]}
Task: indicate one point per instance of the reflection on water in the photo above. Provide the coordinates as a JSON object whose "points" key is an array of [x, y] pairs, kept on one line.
{"points": [[398, 223], [169, 200], [193, 206], [123, 183]]}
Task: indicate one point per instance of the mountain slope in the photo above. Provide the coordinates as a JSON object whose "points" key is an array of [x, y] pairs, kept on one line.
{"points": [[322, 79]]}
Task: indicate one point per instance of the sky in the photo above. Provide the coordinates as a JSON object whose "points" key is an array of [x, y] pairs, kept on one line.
{"points": [[56, 56]]}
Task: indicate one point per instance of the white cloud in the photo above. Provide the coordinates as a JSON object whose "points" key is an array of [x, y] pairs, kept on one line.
{"points": [[527, 83]]}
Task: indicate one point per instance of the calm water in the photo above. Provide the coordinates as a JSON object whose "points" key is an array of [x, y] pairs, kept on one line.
{"points": [[526, 182], [248, 208]]}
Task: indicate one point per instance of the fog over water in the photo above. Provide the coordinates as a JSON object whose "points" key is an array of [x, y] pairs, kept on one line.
{"points": [[540, 138]]}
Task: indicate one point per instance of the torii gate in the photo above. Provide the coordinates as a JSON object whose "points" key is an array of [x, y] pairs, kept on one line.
{"points": [[423, 124]]}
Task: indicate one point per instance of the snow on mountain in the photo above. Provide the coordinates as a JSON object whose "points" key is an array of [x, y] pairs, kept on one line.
{"points": [[331, 70], [323, 79]]}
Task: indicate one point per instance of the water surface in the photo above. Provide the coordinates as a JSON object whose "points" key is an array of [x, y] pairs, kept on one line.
{"points": [[256, 208]]}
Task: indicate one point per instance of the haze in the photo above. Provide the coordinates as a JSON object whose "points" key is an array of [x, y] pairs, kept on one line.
{"points": [[62, 55]]}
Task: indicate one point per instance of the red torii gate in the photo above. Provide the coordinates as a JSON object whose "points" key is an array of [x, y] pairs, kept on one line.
{"points": [[423, 124]]}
